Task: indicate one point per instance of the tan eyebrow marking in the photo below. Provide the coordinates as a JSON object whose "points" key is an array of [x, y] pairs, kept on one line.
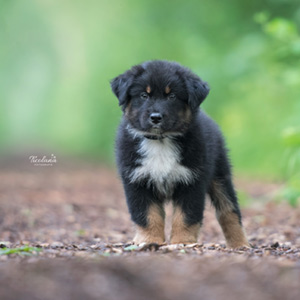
{"points": [[148, 89], [167, 89]]}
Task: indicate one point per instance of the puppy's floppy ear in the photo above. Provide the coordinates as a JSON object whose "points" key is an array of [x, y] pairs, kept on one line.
{"points": [[122, 83], [197, 90], [120, 86]]}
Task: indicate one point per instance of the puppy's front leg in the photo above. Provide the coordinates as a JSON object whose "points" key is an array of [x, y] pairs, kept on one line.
{"points": [[183, 233], [187, 214], [153, 232], [147, 213]]}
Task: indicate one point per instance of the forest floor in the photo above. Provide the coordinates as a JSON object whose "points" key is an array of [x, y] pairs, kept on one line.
{"points": [[70, 230]]}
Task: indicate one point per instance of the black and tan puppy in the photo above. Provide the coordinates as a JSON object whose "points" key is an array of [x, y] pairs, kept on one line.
{"points": [[169, 150]]}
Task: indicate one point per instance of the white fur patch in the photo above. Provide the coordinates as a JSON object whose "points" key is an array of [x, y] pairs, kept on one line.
{"points": [[160, 163]]}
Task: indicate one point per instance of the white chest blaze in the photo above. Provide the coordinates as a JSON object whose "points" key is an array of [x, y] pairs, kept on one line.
{"points": [[160, 164]]}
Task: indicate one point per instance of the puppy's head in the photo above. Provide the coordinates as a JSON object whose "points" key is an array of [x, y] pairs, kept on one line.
{"points": [[159, 98]]}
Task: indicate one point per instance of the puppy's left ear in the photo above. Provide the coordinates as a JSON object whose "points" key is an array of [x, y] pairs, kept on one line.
{"points": [[197, 90]]}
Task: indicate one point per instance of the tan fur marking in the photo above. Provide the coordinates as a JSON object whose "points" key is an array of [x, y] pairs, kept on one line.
{"points": [[127, 109], [148, 89], [233, 231], [223, 202], [167, 90], [155, 231], [185, 115], [188, 115], [181, 233]]}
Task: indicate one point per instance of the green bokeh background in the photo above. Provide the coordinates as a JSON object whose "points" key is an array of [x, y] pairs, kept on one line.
{"points": [[57, 58]]}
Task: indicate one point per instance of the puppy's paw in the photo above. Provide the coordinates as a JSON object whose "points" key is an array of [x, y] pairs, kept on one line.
{"points": [[147, 236], [138, 240], [238, 243], [177, 240], [182, 233], [185, 235]]}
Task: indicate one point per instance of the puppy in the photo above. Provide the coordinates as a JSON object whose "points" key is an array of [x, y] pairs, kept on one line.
{"points": [[169, 150]]}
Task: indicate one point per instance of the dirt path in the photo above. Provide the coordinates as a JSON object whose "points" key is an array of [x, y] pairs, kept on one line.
{"points": [[77, 216]]}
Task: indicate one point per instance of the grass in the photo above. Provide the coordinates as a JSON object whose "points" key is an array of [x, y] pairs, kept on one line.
{"points": [[24, 250]]}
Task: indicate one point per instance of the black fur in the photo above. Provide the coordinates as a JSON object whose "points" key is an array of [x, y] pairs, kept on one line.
{"points": [[196, 139]]}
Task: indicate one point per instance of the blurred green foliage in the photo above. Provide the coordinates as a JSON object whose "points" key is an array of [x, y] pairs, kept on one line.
{"points": [[23, 251], [57, 57], [291, 191]]}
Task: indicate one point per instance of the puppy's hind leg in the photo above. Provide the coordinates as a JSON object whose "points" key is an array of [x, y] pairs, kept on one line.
{"points": [[224, 199]]}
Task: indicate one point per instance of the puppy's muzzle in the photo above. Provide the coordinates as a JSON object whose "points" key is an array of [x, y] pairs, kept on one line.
{"points": [[155, 118]]}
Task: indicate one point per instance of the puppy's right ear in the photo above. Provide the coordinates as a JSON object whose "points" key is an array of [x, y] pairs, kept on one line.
{"points": [[121, 84]]}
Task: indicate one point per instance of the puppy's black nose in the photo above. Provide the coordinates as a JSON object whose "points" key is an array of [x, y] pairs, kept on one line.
{"points": [[155, 118]]}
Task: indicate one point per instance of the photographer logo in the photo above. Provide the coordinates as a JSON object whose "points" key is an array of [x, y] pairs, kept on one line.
{"points": [[43, 161]]}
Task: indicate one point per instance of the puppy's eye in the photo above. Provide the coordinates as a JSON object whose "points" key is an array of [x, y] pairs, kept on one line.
{"points": [[171, 96], [144, 96]]}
